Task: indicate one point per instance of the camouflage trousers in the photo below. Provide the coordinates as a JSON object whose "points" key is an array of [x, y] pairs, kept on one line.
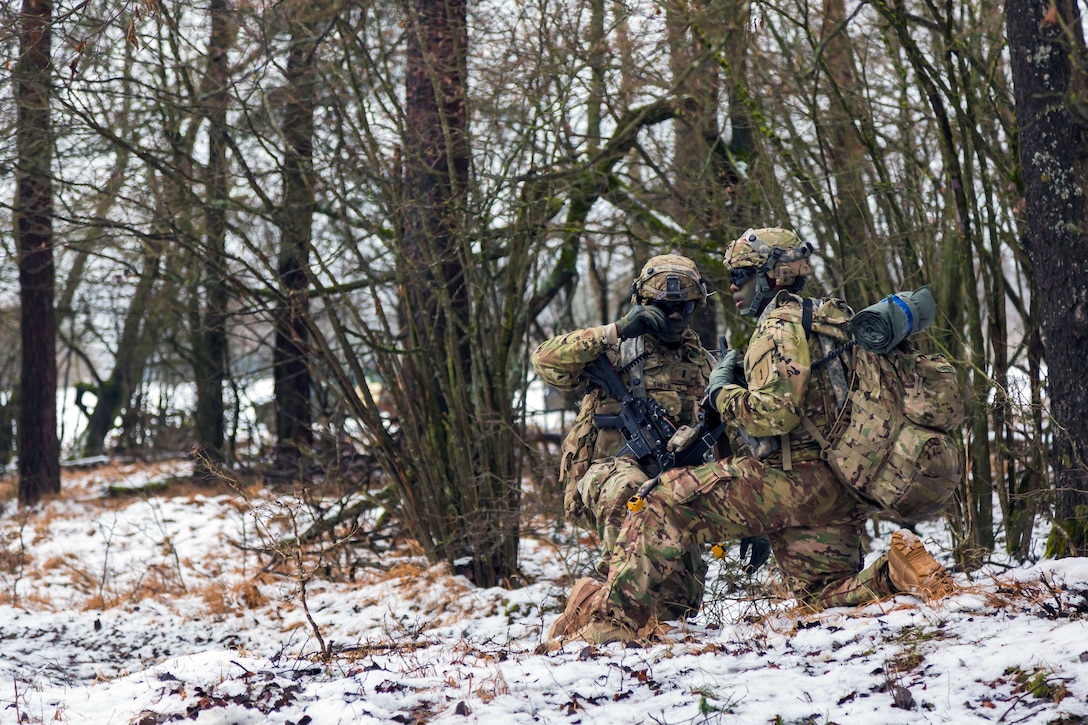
{"points": [[813, 521], [602, 494]]}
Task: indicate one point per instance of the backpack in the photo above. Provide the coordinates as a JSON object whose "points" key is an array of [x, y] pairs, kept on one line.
{"points": [[894, 441]]}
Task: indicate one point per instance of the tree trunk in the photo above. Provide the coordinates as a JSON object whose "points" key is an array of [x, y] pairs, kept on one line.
{"points": [[435, 299], [1047, 48], [858, 254], [696, 198], [741, 195], [39, 447], [7, 420], [210, 343], [293, 378]]}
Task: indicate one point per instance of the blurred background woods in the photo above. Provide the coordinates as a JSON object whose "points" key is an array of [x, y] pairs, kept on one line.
{"points": [[295, 234]]}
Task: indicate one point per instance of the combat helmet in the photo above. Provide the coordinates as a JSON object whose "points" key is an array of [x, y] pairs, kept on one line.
{"points": [[776, 255], [669, 277]]}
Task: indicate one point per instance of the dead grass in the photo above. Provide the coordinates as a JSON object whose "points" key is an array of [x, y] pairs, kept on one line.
{"points": [[1040, 596], [38, 600], [9, 487], [91, 484], [222, 598], [493, 686]]}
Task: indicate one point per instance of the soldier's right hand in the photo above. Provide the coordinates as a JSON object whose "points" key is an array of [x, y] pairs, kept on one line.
{"points": [[641, 320], [760, 549]]}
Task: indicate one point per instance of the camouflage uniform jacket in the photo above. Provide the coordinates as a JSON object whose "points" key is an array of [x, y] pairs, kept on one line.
{"points": [[675, 377], [781, 383]]}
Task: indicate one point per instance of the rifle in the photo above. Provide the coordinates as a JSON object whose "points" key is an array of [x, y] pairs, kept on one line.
{"points": [[645, 427]]}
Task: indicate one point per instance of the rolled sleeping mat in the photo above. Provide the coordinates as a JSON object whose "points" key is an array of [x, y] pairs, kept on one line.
{"points": [[880, 327]]}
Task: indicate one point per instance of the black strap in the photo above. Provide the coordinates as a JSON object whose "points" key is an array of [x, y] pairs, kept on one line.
{"points": [[771, 261], [830, 352]]}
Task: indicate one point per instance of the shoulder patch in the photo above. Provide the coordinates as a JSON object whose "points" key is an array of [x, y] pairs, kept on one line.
{"points": [[760, 360], [762, 370]]}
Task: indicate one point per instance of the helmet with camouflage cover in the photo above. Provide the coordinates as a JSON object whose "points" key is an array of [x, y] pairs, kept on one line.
{"points": [[669, 277], [777, 256]]}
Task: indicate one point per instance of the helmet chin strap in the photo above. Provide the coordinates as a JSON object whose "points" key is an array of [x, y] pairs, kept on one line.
{"points": [[763, 284], [763, 292]]}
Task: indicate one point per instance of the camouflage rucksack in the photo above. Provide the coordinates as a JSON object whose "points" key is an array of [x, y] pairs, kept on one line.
{"points": [[893, 442]]}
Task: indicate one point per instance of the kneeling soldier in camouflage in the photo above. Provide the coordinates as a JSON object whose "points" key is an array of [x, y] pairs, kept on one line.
{"points": [[656, 355]]}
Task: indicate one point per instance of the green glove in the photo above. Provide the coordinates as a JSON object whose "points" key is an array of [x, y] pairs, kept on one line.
{"points": [[642, 320], [729, 371]]}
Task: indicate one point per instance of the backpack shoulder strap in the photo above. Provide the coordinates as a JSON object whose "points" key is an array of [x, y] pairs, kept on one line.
{"points": [[806, 315]]}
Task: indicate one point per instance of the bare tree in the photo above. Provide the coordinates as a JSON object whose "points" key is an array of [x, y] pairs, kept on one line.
{"points": [[861, 264], [144, 217], [39, 447], [134, 348], [697, 202], [210, 346], [472, 482], [293, 377], [1046, 44]]}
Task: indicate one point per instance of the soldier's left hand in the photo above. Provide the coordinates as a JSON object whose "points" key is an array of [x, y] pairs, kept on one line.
{"points": [[728, 371], [736, 359]]}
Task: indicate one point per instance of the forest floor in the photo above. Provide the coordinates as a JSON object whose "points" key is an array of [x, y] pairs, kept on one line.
{"points": [[137, 596]]}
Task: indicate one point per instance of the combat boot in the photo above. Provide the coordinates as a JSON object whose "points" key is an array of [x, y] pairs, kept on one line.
{"points": [[598, 632], [579, 607], [913, 569]]}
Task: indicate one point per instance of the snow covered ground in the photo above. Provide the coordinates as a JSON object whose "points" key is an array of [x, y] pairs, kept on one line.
{"points": [[156, 608]]}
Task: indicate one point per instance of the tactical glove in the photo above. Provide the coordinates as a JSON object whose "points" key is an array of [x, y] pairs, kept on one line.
{"points": [[728, 371], [641, 320], [760, 549]]}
